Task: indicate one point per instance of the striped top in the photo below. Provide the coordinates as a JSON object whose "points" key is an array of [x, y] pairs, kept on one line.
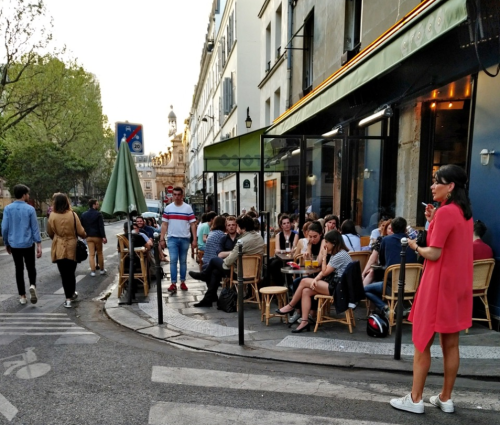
{"points": [[179, 220], [213, 246]]}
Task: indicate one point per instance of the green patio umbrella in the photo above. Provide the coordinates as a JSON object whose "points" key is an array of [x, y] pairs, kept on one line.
{"points": [[124, 195]]}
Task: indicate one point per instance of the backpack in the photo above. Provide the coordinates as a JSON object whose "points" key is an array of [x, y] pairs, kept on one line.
{"points": [[227, 300], [377, 326]]}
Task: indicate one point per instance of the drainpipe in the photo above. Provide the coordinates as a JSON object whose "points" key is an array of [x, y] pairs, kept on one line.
{"points": [[289, 53]]}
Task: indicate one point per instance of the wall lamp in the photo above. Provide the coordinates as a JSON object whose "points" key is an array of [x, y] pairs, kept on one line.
{"points": [[248, 121], [485, 156], [381, 113], [194, 150], [334, 131], [204, 119], [296, 152]]}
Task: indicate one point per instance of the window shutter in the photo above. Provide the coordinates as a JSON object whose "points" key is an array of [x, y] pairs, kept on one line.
{"points": [[233, 89], [219, 60], [221, 116], [223, 44]]}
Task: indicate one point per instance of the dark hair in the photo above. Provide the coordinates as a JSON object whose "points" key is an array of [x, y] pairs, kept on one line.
{"points": [[479, 228], [178, 189], [283, 217], [256, 224], [348, 228], [452, 173], [398, 225], [125, 226], [316, 227], [252, 214], [313, 216], [204, 218], [335, 238], [139, 217], [306, 226], [92, 202], [61, 203], [294, 217], [20, 190], [331, 217], [219, 223], [211, 215], [245, 222]]}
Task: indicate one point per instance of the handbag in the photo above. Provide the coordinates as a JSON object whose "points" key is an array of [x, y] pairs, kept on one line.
{"points": [[227, 300], [81, 248], [422, 239]]}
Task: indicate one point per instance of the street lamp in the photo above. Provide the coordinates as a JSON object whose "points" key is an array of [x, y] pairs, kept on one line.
{"points": [[248, 121], [204, 119]]}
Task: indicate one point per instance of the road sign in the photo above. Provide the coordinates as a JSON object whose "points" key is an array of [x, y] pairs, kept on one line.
{"points": [[170, 189], [133, 134]]}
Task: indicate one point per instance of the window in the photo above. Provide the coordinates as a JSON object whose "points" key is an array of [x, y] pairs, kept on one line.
{"points": [[223, 54], [268, 48], [230, 32], [227, 202], [227, 92], [277, 32], [233, 202], [277, 101], [148, 185], [267, 112], [307, 67], [149, 173], [352, 32]]}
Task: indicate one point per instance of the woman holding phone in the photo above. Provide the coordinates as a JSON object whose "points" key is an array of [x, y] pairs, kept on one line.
{"points": [[443, 302]]}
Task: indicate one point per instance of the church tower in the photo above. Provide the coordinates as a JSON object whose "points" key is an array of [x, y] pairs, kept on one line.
{"points": [[172, 122]]}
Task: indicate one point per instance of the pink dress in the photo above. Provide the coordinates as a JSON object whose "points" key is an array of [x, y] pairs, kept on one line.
{"points": [[443, 302]]}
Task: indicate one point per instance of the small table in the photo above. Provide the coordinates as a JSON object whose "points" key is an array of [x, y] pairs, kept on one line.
{"points": [[302, 270], [283, 256], [268, 293]]}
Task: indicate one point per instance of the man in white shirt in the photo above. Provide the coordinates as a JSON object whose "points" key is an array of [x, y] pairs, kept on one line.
{"points": [[177, 223]]}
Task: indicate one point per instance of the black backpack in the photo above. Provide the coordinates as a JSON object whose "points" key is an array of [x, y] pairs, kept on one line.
{"points": [[227, 300]]}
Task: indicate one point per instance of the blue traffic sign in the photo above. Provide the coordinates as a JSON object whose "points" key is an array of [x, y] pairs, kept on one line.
{"points": [[133, 134]]}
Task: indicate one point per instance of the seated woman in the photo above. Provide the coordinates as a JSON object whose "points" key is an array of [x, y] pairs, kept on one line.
{"points": [[213, 244], [309, 287], [303, 243], [369, 273], [286, 235], [331, 223], [350, 235]]}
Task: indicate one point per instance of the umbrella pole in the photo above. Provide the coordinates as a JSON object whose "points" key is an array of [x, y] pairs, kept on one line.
{"points": [[131, 258]]}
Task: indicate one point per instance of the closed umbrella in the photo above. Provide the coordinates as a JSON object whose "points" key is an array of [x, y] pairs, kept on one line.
{"points": [[124, 195]]}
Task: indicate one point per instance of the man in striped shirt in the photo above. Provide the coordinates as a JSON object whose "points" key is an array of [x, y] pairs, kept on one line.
{"points": [[177, 223]]}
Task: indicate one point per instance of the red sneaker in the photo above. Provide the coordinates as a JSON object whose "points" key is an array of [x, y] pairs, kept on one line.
{"points": [[183, 287], [172, 288]]}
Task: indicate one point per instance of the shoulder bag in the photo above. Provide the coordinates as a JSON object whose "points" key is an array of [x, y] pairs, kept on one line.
{"points": [[81, 248]]}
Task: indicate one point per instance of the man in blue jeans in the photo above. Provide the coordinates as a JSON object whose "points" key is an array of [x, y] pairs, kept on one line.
{"points": [[390, 254], [178, 224], [20, 234]]}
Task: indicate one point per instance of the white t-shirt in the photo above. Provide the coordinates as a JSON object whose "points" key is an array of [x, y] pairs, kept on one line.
{"points": [[352, 242], [179, 220]]}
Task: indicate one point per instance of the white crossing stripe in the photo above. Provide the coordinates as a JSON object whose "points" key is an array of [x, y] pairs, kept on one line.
{"points": [[7, 409], [312, 387], [163, 413], [39, 324], [78, 278]]}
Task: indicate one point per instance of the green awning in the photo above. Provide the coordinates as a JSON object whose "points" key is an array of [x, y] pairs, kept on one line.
{"points": [[241, 153], [418, 29]]}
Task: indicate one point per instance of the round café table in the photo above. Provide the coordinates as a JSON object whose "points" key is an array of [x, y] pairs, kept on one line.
{"points": [[301, 270]]}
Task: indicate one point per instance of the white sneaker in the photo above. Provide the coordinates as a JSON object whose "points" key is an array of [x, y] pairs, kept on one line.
{"points": [[406, 403], [103, 271], [296, 316], [92, 274], [34, 298], [67, 304], [23, 300], [445, 406]]}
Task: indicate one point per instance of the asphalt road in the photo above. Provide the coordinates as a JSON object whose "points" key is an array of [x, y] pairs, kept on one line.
{"points": [[76, 366]]}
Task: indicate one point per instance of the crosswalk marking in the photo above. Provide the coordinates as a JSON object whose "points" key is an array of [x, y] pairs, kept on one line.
{"points": [[308, 387], [162, 413], [34, 314], [60, 291], [7, 409]]}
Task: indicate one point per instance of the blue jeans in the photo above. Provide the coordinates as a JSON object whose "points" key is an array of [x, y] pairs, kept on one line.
{"points": [[178, 250], [373, 292]]}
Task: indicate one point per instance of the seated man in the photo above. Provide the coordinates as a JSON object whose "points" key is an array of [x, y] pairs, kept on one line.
{"points": [[229, 240], [139, 240], [481, 251], [389, 254], [218, 267]]}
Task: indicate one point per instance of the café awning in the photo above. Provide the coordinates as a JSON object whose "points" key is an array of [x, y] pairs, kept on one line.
{"points": [[427, 22], [240, 153]]}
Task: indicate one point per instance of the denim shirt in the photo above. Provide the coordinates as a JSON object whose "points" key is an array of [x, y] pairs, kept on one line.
{"points": [[19, 225]]}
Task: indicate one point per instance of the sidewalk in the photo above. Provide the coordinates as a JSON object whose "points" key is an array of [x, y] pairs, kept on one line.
{"points": [[212, 330]]}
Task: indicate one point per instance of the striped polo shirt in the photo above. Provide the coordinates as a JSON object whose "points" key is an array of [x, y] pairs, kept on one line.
{"points": [[179, 220]]}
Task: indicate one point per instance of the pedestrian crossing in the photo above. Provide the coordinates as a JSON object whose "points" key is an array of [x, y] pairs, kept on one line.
{"points": [[167, 412]]}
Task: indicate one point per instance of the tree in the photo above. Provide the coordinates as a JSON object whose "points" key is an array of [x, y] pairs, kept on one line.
{"points": [[24, 33]]}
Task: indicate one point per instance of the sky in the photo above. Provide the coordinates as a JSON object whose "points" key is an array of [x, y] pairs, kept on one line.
{"points": [[145, 54]]}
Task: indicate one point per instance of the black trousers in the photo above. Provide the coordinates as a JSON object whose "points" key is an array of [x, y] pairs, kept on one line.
{"points": [[214, 273], [22, 256], [67, 270]]}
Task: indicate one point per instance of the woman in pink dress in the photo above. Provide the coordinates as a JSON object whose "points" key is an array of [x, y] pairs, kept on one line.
{"points": [[443, 302]]}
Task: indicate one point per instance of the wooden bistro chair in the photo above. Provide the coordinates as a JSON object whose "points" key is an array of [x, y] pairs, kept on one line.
{"points": [[252, 265], [365, 241], [413, 271], [483, 269], [142, 275]]}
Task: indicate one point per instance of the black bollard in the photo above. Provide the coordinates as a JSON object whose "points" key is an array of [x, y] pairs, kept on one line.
{"points": [[158, 273], [131, 271], [241, 322], [399, 310]]}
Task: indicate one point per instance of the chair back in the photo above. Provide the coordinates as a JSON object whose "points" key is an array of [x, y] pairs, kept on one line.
{"points": [[483, 270], [361, 256], [365, 241], [251, 265], [413, 271], [272, 247]]}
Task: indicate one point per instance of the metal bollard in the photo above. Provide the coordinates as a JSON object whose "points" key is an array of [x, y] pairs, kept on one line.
{"points": [[241, 330], [158, 273], [399, 310]]}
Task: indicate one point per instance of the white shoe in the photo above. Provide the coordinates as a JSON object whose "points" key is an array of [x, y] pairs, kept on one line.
{"points": [[296, 316], [406, 403], [23, 300], [445, 406], [103, 271], [34, 298], [67, 304], [92, 274]]}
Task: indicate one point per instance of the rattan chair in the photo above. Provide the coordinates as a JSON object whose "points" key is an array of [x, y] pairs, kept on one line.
{"points": [[141, 275], [483, 270], [252, 265]]}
